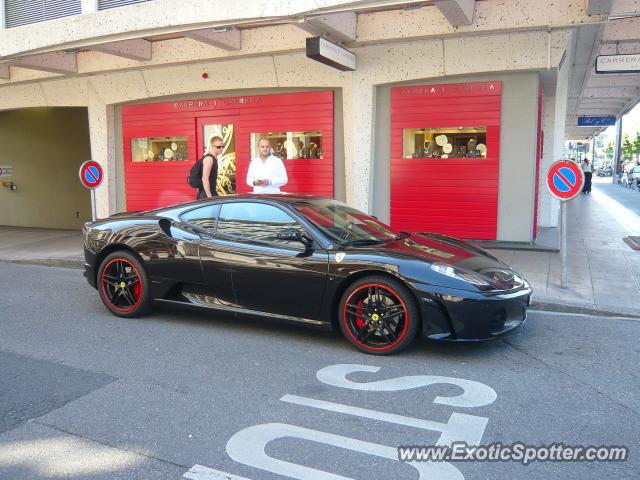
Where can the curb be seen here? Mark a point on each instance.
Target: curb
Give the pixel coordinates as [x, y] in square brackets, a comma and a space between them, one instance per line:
[49, 262]
[551, 306]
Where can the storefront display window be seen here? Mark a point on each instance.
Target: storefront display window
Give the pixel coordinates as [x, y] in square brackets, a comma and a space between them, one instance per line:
[290, 145]
[159, 149]
[453, 142]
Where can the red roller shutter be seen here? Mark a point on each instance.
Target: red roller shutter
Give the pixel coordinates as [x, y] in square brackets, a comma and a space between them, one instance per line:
[452, 196]
[156, 184]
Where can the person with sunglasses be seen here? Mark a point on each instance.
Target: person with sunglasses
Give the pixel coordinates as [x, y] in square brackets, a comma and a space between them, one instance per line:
[210, 168]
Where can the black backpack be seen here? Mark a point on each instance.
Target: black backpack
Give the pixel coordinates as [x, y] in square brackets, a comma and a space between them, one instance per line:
[195, 174]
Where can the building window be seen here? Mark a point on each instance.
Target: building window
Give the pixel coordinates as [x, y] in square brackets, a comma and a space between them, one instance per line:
[159, 149]
[453, 142]
[290, 145]
[23, 12]
[106, 4]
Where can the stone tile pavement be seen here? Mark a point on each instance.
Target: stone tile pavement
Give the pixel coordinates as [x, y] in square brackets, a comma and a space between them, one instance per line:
[603, 271]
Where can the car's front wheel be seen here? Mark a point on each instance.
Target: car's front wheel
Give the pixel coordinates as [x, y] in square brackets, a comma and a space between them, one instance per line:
[123, 285]
[378, 315]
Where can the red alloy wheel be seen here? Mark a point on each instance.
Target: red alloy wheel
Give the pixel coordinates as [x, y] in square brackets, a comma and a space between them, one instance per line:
[121, 285]
[375, 317]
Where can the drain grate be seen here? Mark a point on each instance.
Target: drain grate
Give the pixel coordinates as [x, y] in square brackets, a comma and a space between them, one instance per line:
[633, 242]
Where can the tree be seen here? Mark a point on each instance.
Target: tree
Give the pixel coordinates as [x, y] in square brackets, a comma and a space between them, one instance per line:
[636, 146]
[627, 148]
[608, 150]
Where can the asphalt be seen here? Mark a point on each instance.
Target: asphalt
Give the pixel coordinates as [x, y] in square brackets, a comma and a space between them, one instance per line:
[603, 271]
[103, 398]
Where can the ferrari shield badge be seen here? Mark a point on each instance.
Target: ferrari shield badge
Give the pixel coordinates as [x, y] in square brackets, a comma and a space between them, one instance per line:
[340, 256]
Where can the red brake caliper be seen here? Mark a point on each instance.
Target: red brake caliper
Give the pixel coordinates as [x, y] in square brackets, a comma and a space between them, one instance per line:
[360, 312]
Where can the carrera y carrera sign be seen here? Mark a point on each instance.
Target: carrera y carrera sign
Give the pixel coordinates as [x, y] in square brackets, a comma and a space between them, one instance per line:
[618, 63]
[329, 53]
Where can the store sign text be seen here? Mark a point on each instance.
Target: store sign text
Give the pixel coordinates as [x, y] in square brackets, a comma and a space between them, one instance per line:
[447, 89]
[618, 63]
[216, 102]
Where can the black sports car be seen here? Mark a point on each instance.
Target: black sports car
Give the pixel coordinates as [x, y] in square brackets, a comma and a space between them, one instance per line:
[304, 259]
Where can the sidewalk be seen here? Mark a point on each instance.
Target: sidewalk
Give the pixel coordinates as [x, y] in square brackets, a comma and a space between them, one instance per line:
[603, 273]
[43, 246]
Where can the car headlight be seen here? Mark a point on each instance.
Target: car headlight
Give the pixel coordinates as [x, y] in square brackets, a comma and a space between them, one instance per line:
[460, 274]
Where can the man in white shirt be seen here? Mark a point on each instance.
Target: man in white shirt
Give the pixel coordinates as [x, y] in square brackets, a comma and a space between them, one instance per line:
[266, 172]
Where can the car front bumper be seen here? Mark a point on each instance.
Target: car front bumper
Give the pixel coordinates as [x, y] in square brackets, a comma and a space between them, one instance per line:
[470, 316]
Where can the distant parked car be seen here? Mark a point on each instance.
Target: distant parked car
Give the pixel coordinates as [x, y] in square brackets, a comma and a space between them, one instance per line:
[604, 172]
[634, 176]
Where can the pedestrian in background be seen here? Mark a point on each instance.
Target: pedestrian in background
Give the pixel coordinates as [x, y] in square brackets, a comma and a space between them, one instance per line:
[266, 172]
[210, 168]
[588, 173]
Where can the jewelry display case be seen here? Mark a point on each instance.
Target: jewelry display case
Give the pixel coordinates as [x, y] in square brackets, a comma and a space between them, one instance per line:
[159, 149]
[290, 145]
[450, 142]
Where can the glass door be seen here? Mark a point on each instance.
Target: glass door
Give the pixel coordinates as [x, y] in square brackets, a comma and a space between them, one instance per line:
[223, 127]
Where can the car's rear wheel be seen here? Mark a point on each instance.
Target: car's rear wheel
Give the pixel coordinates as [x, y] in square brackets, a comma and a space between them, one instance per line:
[378, 315]
[123, 285]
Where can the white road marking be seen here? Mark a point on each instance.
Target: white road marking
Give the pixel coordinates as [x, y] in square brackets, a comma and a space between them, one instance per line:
[248, 447]
[199, 472]
[475, 394]
[460, 427]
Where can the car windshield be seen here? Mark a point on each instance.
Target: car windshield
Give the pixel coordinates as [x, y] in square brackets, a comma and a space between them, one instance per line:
[343, 224]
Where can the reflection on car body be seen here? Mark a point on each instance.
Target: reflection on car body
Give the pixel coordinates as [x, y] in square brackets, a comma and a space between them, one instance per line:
[304, 259]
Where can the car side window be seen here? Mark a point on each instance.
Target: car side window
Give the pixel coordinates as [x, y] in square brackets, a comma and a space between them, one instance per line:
[203, 217]
[259, 222]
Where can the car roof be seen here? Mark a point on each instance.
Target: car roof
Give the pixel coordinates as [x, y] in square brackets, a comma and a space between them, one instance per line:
[289, 198]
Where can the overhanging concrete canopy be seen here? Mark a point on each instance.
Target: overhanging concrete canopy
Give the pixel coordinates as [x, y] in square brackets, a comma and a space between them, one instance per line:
[457, 12]
[338, 27]
[54, 62]
[595, 7]
[134, 49]
[227, 39]
[592, 94]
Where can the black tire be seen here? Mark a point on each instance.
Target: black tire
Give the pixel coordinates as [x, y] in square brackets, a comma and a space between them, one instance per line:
[123, 285]
[378, 315]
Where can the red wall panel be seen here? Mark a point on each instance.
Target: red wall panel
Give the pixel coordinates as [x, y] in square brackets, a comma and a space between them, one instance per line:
[155, 184]
[452, 196]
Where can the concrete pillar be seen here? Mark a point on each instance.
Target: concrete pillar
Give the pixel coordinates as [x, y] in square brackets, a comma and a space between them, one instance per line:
[546, 213]
[359, 112]
[617, 148]
[101, 134]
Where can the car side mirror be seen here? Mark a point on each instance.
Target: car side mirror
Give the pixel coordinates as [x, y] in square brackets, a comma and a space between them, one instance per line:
[291, 235]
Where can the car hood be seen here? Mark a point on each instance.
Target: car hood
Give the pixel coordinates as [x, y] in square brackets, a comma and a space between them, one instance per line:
[434, 248]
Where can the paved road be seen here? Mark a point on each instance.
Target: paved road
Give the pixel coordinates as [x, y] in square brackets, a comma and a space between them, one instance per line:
[627, 198]
[85, 395]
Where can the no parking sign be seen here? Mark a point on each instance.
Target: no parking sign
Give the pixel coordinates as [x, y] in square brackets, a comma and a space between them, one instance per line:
[565, 179]
[91, 174]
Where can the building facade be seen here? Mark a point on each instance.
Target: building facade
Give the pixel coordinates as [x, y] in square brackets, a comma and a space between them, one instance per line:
[448, 122]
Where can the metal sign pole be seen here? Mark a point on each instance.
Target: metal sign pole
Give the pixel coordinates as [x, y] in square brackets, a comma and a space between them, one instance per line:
[563, 242]
[93, 204]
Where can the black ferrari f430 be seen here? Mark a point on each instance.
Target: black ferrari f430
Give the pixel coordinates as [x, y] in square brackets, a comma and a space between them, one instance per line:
[304, 259]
